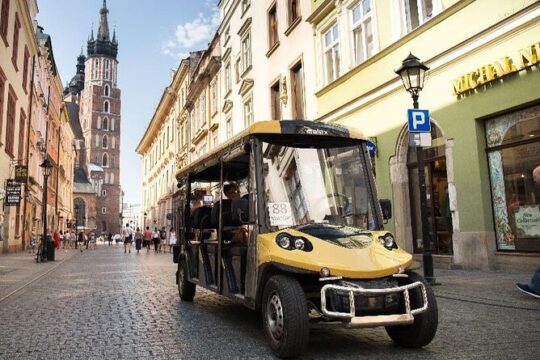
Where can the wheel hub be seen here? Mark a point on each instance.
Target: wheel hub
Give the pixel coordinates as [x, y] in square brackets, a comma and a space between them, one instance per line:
[274, 316]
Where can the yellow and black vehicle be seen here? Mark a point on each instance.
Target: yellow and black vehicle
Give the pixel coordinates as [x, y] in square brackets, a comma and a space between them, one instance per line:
[285, 219]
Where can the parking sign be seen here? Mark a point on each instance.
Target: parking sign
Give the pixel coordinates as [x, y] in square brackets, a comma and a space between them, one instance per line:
[418, 120]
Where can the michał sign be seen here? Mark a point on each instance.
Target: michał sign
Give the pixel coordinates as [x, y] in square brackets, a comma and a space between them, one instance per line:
[13, 193]
[526, 57]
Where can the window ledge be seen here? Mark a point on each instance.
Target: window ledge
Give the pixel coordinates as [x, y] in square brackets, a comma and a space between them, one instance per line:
[293, 25]
[246, 72]
[272, 49]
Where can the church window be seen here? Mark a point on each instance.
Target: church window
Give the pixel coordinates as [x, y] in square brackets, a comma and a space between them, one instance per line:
[105, 124]
[105, 142]
[103, 192]
[112, 124]
[107, 90]
[105, 160]
[107, 69]
[106, 106]
[99, 122]
[96, 68]
[103, 210]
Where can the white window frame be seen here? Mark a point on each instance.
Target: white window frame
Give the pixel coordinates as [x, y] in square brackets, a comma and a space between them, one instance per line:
[228, 76]
[107, 90]
[229, 132]
[248, 111]
[404, 15]
[103, 210]
[331, 47]
[107, 69]
[246, 51]
[103, 122]
[105, 139]
[214, 95]
[106, 107]
[361, 23]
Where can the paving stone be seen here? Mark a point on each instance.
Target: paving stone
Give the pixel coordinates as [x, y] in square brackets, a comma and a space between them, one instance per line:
[105, 304]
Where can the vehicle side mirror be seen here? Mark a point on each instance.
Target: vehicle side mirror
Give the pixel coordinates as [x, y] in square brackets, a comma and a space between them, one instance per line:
[240, 210]
[386, 207]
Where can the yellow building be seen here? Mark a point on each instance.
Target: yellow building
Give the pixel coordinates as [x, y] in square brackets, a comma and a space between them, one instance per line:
[483, 93]
[18, 45]
[64, 199]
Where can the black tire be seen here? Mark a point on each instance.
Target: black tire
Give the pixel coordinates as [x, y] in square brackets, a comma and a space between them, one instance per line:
[186, 289]
[285, 316]
[424, 328]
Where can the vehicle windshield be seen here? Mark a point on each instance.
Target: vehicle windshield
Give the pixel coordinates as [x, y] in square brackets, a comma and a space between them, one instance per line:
[327, 187]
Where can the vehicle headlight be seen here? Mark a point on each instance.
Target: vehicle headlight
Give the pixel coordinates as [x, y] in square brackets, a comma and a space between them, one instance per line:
[388, 241]
[284, 241]
[299, 244]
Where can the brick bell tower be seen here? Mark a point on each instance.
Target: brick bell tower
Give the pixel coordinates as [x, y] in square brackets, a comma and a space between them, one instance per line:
[100, 121]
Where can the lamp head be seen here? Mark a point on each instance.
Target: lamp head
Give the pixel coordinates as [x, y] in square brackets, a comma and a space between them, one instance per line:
[412, 72]
[47, 166]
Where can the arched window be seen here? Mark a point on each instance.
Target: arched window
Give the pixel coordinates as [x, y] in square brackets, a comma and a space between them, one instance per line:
[105, 124]
[105, 142]
[107, 90]
[105, 160]
[80, 212]
[106, 106]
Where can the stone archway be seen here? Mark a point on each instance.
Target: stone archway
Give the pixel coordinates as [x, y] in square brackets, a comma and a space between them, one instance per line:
[399, 178]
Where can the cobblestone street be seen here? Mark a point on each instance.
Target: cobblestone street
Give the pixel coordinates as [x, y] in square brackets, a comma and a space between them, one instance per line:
[105, 304]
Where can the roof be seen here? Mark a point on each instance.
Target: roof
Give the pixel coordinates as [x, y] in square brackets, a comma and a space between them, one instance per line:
[94, 167]
[73, 112]
[81, 183]
[283, 127]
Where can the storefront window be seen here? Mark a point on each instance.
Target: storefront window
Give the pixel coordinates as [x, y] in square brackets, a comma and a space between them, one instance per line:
[513, 153]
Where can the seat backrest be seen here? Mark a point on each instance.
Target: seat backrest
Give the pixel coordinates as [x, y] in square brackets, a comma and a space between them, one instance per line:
[200, 218]
[239, 212]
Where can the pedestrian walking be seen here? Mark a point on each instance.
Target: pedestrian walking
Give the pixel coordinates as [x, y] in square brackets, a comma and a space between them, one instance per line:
[162, 239]
[155, 239]
[138, 240]
[127, 236]
[81, 240]
[56, 238]
[172, 239]
[63, 239]
[147, 238]
[109, 238]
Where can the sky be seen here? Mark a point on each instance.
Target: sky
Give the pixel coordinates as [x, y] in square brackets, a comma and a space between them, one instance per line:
[153, 36]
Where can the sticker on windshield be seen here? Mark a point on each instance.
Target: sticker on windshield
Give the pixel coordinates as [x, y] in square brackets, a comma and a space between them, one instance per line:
[280, 214]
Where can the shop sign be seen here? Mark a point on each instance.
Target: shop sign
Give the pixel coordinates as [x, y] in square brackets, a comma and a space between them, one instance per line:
[528, 221]
[13, 193]
[21, 173]
[526, 57]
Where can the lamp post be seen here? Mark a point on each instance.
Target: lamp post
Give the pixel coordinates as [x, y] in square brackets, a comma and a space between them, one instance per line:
[76, 227]
[47, 168]
[412, 73]
[145, 215]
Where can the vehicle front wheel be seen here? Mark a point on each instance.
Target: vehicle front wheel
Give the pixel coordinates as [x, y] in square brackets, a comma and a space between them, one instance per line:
[285, 316]
[423, 330]
[186, 289]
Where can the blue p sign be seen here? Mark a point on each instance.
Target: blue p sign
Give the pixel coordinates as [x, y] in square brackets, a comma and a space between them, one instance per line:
[418, 120]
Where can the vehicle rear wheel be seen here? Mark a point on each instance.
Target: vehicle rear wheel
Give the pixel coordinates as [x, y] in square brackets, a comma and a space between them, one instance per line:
[285, 316]
[423, 330]
[186, 289]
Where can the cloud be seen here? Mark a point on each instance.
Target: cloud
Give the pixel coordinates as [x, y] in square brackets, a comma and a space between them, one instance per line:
[192, 35]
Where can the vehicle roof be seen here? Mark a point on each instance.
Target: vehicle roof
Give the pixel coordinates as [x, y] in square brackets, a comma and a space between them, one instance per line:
[275, 127]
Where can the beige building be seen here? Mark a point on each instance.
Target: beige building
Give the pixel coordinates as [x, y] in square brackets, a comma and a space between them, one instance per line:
[483, 93]
[18, 46]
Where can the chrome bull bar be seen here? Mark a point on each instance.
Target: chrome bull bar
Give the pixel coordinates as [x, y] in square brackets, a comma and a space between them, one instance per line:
[376, 320]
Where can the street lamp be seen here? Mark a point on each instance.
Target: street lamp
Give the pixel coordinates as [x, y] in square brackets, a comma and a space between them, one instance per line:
[145, 215]
[47, 169]
[76, 225]
[412, 73]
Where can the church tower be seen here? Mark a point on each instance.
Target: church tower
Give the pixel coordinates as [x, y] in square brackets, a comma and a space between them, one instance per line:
[100, 122]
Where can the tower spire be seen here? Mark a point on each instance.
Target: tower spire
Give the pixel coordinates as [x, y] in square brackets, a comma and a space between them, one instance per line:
[103, 31]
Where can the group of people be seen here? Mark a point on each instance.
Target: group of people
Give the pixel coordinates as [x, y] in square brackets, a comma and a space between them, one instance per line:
[66, 240]
[160, 238]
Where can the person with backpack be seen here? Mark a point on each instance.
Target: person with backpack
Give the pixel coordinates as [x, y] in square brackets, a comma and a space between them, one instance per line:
[127, 236]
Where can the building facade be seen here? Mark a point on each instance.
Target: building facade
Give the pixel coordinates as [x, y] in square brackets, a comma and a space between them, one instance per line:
[18, 46]
[100, 117]
[482, 91]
